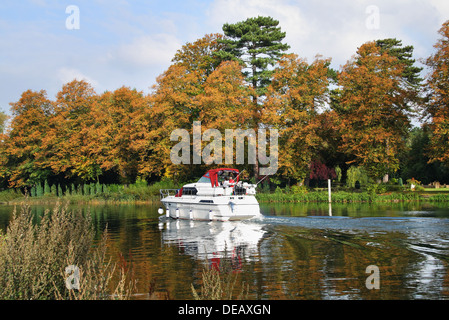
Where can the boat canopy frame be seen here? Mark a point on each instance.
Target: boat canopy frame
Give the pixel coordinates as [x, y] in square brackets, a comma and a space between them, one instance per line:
[213, 175]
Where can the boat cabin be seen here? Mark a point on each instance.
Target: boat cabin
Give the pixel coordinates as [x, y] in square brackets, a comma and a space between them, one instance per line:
[218, 182]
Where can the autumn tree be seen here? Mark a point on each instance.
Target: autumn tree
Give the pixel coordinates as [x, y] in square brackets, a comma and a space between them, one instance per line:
[121, 133]
[66, 146]
[200, 55]
[293, 99]
[372, 107]
[3, 154]
[226, 103]
[172, 107]
[23, 145]
[194, 88]
[319, 171]
[438, 106]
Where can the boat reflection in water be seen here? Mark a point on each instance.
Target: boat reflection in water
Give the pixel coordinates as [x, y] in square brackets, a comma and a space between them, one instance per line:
[214, 240]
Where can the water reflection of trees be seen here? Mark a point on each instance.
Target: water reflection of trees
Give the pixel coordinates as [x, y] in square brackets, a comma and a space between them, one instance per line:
[279, 262]
[357, 209]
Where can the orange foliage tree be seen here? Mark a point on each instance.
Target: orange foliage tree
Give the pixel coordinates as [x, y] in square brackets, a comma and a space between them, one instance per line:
[66, 146]
[438, 105]
[83, 136]
[23, 161]
[372, 109]
[195, 88]
[297, 91]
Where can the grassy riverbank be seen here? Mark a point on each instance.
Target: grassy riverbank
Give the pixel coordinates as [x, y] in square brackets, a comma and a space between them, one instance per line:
[353, 196]
[141, 192]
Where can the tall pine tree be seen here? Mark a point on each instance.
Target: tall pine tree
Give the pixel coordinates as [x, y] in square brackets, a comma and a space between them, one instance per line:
[257, 44]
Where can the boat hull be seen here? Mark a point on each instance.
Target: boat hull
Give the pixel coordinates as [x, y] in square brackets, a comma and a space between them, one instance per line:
[223, 208]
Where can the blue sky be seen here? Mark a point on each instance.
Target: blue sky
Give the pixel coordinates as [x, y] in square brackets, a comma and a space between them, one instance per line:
[130, 43]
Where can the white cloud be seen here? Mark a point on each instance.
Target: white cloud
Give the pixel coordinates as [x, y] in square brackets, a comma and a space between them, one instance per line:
[131, 43]
[335, 29]
[148, 50]
[67, 74]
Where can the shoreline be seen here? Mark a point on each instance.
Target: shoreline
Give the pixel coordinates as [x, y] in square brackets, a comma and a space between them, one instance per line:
[354, 197]
[84, 200]
[276, 197]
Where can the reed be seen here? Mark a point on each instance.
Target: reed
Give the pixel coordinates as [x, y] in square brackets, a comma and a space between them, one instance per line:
[35, 251]
[221, 282]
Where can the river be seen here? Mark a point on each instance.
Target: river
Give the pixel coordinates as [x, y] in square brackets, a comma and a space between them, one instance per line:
[296, 251]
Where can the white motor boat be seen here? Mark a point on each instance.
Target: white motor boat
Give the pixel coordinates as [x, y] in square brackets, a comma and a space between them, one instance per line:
[217, 195]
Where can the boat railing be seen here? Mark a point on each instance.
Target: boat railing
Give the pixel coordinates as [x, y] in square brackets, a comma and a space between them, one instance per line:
[167, 192]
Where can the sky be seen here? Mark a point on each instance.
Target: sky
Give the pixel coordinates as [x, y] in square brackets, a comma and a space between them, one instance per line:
[47, 43]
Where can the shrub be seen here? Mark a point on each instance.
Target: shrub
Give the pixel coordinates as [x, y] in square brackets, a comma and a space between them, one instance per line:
[299, 189]
[10, 194]
[86, 190]
[355, 174]
[376, 188]
[39, 190]
[46, 188]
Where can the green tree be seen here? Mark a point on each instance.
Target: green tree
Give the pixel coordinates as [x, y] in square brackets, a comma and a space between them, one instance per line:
[256, 43]
[86, 190]
[415, 161]
[393, 47]
[355, 174]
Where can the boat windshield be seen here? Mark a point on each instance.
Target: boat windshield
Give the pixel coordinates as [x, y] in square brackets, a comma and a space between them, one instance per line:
[204, 179]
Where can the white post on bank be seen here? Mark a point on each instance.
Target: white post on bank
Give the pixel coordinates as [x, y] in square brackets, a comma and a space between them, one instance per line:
[330, 198]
